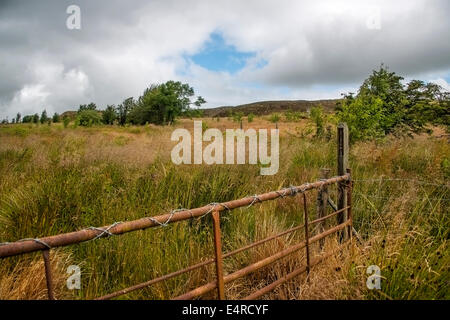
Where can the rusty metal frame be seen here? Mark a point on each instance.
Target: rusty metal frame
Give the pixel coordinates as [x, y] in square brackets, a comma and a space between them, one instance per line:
[47, 243]
[218, 253]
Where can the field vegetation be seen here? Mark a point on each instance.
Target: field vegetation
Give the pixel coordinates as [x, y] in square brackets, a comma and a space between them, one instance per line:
[93, 168]
[56, 179]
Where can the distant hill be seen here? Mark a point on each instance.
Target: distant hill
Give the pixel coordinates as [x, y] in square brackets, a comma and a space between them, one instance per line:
[258, 108]
[268, 107]
[71, 114]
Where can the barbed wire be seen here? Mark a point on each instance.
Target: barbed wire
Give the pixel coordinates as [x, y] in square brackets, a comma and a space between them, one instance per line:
[390, 198]
[37, 240]
[105, 232]
[400, 179]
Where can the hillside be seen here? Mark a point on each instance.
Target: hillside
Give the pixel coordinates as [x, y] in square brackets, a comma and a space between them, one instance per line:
[267, 107]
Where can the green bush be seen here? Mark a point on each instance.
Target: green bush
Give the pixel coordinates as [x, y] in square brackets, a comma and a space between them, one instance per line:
[88, 118]
[66, 121]
[318, 117]
[385, 105]
[274, 118]
[364, 118]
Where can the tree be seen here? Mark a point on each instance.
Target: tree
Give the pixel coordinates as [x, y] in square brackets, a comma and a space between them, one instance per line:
[27, 119]
[163, 103]
[109, 115]
[250, 117]
[88, 118]
[44, 117]
[124, 109]
[90, 106]
[35, 118]
[56, 118]
[384, 105]
[18, 116]
[426, 103]
[386, 86]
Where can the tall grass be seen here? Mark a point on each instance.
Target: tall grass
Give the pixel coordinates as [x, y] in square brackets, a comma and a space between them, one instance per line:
[54, 181]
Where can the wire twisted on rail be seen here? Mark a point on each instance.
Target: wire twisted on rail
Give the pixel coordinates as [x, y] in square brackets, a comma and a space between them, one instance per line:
[288, 191]
[29, 239]
[104, 231]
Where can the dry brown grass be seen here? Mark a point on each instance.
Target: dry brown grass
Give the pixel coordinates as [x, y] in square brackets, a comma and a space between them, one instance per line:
[27, 279]
[383, 211]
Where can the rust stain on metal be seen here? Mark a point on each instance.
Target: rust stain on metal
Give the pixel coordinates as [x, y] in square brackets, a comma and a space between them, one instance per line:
[349, 204]
[20, 247]
[257, 265]
[44, 244]
[48, 273]
[196, 266]
[218, 253]
[290, 275]
[305, 210]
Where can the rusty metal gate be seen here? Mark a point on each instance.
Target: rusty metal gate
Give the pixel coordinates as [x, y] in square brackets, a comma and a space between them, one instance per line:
[344, 230]
[342, 210]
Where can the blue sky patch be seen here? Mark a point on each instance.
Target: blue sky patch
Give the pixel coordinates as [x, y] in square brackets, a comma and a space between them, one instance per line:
[216, 55]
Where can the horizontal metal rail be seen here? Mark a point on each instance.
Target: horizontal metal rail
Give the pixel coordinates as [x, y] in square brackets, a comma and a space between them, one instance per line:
[258, 265]
[209, 261]
[292, 274]
[195, 266]
[31, 245]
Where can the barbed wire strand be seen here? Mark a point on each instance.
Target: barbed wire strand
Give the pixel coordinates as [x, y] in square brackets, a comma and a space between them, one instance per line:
[390, 198]
[106, 231]
[399, 179]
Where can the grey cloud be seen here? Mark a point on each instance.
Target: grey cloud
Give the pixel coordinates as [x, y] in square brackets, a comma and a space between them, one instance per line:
[125, 45]
[342, 51]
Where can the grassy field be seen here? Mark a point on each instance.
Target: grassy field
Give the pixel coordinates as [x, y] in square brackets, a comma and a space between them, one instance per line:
[55, 179]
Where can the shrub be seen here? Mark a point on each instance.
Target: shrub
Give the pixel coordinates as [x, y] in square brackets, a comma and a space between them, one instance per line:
[88, 118]
[274, 118]
[364, 118]
[66, 121]
[318, 117]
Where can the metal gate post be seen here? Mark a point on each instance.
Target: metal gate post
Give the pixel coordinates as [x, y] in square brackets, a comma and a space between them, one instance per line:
[218, 252]
[48, 273]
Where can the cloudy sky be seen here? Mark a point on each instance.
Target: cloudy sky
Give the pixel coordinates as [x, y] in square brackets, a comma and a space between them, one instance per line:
[231, 52]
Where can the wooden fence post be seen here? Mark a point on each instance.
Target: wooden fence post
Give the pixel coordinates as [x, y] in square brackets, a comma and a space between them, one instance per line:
[218, 252]
[322, 199]
[342, 165]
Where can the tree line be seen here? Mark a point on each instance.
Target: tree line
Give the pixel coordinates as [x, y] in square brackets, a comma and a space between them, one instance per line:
[384, 104]
[159, 104]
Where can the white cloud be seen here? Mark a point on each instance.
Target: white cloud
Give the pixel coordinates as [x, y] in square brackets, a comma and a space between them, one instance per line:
[313, 49]
[51, 88]
[444, 84]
